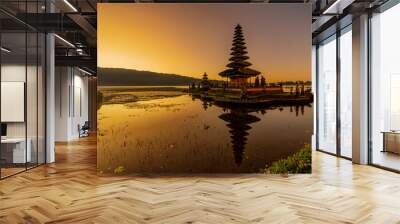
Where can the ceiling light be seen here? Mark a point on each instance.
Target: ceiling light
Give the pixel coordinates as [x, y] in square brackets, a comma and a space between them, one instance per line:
[338, 6]
[5, 50]
[64, 40]
[84, 71]
[70, 5]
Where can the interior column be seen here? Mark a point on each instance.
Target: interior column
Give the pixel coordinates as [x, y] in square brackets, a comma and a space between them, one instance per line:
[360, 90]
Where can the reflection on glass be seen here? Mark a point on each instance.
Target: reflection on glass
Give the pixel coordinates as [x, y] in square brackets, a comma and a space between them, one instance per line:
[346, 94]
[385, 89]
[327, 95]
[15, 151]
[23, 93]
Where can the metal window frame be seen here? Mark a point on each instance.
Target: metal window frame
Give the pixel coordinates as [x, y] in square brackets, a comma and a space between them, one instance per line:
[387, 5]
[339, 32]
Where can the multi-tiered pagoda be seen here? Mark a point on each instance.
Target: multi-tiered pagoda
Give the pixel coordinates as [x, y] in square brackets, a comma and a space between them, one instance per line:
[238, 71]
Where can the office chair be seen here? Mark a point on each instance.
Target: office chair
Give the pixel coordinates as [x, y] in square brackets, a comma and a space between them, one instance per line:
[84, 130]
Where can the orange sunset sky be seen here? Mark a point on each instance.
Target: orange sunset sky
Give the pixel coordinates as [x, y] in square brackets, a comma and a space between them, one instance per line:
[190, 39]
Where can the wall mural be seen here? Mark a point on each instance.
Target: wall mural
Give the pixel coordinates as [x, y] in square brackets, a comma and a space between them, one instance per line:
[204, 88]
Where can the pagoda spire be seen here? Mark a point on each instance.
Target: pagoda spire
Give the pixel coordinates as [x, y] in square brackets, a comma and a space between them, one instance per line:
[205, 84]
[238, 67]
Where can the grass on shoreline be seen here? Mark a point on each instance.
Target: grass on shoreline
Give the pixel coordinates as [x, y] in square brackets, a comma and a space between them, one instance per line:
[300, 162]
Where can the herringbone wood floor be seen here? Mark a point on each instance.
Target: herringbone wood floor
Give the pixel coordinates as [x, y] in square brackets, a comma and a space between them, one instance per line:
[70, 191]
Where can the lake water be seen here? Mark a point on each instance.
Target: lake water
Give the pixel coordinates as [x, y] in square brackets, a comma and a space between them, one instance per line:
[172, 132]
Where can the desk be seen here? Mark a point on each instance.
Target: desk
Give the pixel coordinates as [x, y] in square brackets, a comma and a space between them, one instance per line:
[391, 141]
[15, 148]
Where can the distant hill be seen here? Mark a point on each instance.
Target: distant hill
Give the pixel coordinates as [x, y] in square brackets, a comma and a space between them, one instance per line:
[127, 77]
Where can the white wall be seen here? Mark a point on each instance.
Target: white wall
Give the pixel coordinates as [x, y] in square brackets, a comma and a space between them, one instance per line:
[16, 73]
[71, 102]
[33, 126]
[62, 82]
[13, 72]
[80, 112]
[13, 101]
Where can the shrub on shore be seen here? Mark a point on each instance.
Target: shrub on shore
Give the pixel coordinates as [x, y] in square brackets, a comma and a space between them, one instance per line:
[300, 162]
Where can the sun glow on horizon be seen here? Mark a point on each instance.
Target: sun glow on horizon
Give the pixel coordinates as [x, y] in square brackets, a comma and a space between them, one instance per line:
[190, 39]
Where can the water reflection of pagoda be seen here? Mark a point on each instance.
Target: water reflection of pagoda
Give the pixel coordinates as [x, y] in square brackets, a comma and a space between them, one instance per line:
[238, 120]
[239, 124]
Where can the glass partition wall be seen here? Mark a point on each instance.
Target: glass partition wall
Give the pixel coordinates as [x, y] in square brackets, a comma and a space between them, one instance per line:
[334, 86]
[385, 89]
[22, 95]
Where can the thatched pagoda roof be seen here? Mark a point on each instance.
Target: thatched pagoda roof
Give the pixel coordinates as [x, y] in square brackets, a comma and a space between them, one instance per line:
[239, 73]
